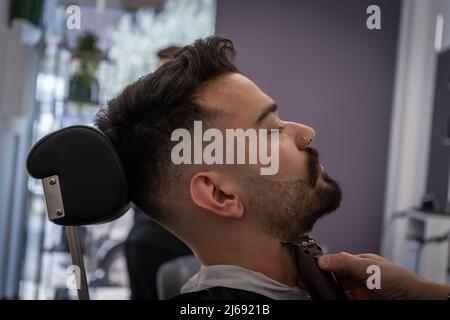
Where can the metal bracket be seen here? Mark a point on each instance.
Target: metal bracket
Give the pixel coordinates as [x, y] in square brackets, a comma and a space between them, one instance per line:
[53, 197]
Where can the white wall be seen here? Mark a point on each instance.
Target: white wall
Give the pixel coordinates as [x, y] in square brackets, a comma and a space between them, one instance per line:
[412, 112]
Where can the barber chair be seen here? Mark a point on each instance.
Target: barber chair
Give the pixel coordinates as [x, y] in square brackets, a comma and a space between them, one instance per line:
[84, 183]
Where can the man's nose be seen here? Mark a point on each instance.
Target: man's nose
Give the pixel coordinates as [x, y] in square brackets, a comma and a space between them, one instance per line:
[304, 135]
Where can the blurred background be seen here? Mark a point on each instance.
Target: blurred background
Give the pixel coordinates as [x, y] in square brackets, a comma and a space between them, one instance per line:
[379, 100]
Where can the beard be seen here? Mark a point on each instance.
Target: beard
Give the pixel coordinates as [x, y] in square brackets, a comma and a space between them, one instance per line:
[287, 209]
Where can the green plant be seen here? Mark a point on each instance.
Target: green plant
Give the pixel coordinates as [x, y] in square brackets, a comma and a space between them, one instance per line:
[89, 56]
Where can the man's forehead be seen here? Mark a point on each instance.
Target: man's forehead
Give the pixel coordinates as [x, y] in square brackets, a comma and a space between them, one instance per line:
[235, 94]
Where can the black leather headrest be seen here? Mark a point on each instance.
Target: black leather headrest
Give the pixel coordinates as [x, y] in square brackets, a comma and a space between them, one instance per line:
[92, 181]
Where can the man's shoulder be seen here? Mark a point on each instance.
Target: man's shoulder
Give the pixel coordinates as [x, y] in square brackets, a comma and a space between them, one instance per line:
[221, 293]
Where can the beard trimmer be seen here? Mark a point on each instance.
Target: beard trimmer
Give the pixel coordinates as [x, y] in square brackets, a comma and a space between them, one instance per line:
[321, 285]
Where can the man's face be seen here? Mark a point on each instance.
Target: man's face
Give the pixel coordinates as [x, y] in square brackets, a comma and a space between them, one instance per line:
[288, 203]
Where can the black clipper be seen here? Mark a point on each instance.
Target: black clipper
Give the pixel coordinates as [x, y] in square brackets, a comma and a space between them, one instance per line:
[321, 285]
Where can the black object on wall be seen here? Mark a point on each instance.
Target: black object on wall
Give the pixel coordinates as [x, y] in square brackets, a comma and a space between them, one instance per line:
[438, 167]
[30, 10]
[324, 68]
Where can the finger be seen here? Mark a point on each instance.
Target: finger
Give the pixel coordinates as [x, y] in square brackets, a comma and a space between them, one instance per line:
[345, 264]
[371, 256]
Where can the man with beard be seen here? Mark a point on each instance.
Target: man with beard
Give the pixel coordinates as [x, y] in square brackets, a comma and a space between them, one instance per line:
[231, 216]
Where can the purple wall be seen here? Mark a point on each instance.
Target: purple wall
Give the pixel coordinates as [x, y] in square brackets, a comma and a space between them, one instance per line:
[323, 66]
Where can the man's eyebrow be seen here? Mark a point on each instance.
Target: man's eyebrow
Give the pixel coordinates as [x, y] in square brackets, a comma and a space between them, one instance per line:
[268, 110]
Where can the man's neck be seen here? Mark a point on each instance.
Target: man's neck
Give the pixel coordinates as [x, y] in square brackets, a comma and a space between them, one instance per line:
[260, 254]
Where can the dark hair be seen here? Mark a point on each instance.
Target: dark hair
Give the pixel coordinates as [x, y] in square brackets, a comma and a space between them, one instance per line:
[168, 53]
[140, 120]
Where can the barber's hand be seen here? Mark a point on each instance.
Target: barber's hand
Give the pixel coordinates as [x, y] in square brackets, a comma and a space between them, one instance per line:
[396, 282]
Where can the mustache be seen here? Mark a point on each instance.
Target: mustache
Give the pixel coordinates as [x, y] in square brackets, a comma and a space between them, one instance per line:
[313, 165]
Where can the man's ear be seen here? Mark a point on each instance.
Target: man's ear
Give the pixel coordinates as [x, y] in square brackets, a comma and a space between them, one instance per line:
[209, 192]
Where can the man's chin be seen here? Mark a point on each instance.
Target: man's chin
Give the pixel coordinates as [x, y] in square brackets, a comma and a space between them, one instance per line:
[329, 195]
